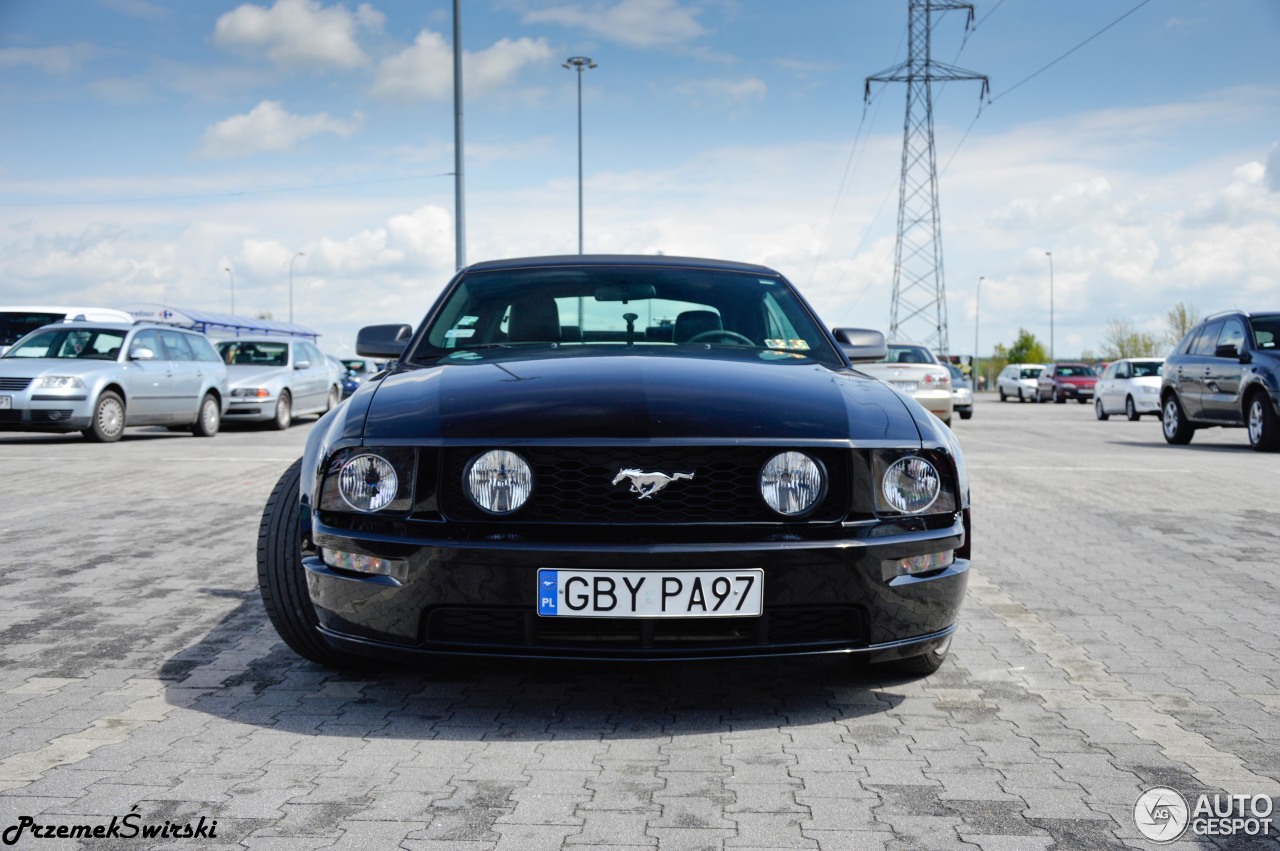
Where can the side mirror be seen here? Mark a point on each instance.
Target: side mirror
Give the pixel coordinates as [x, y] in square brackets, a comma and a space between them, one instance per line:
[302, 364]
[141, 353]
[861, 345]
[1227, 351]
[383, 341]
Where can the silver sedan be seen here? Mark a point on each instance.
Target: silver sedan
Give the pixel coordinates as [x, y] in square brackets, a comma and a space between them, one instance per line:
[274, 379]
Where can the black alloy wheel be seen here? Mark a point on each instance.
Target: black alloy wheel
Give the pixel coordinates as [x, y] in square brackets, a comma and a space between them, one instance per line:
[282, 580]
[1264, 429]
[1177, 430]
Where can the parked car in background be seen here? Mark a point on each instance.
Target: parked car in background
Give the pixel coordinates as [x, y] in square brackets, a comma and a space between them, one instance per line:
[274, 379]
[99, 378]
[961, 392]
[18, 321]
[1018, 381]
[1225, 372]
[1131, 385]
[1063, 381]
[537, 481]
[358, 370]
[913, 369]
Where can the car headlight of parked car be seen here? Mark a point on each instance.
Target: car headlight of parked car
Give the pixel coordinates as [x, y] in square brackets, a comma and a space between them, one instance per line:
[257, 392]
[911, 484]
[58, 382]
[792, 483]
[368, 480]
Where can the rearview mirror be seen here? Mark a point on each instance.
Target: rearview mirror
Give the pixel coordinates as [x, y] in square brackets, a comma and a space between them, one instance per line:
[625, 292]
[383, 341]
[861, 345]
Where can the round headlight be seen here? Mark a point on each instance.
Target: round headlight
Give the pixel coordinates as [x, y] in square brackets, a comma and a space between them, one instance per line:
[368, 482]
[911, 484]
[498, 481]
[792, 483]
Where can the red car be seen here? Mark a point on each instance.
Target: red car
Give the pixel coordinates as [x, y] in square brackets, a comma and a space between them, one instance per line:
[1063, 381]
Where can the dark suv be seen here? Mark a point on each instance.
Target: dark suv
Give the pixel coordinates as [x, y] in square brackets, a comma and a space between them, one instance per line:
[1225, 372]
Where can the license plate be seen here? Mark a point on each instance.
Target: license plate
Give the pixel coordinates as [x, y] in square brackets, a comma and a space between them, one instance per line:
[650, 594]
[6, 402]
[905, 386]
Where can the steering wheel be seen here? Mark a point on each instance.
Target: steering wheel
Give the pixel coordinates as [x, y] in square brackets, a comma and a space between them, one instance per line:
[721, 334]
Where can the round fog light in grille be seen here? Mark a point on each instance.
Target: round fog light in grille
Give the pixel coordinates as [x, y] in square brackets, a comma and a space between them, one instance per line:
[368, 482]
[791, 483]
[911, 484]
[498, 481]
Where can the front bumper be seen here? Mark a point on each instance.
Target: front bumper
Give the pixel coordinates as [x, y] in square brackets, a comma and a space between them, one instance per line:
[480, 597]
[252, 408]
[46, 411]
[1072, 391]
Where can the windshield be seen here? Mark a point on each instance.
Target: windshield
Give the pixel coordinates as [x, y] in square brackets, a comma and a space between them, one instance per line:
[1032, 372]
[643, 309]
[1147, 368]
[1266, 331]
[1075, 371]
[248, 353]
[74, 342]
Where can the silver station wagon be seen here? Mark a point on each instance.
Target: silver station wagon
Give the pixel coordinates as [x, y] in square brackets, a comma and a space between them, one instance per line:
[98, 378]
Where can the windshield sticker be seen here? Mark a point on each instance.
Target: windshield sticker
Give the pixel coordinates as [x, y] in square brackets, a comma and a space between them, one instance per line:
[778, 343]
[468, 320]
[765, 282]
[468, 355]
[460, 333]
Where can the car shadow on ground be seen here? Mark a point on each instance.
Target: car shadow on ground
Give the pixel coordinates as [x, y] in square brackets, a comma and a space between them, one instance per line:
[1190, 447]
[242, 672]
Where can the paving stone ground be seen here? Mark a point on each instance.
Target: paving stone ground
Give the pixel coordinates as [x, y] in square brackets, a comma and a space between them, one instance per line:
[1122, 632]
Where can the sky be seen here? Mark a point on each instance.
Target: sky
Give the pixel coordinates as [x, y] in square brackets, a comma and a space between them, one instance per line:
[151, 146]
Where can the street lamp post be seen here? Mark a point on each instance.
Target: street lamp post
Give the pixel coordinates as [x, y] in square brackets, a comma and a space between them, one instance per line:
[232, 276]
[1049, 254]
[977, 305]
[291, 261]
[580, 63]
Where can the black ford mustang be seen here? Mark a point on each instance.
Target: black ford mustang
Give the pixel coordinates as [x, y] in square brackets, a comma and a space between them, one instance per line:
[617, 457]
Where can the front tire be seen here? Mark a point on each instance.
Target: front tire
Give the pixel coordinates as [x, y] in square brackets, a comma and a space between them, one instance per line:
[1263, 427]
[210, 417]
[284, 412]
[964, 415]
[335, 396]
[1177, 430]
[1131, 410]
[1099, 411]
[1004, 397]
[108, 419]
[282, 580]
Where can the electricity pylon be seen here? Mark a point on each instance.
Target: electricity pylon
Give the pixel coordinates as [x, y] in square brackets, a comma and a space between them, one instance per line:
[919, 307]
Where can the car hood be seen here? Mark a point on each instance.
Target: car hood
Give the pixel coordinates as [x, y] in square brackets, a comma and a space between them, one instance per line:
[631, 397]
[35, 367]
[253, 376]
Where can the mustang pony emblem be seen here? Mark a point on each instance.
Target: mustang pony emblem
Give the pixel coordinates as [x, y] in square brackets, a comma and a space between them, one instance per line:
[647, 484]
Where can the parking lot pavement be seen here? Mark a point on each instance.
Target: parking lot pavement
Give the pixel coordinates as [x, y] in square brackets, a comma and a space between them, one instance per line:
[1122, 632]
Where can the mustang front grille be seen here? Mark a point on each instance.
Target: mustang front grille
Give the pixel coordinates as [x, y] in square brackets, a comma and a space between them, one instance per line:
[574, 485]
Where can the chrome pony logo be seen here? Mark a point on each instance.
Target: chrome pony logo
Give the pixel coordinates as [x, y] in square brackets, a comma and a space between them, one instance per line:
[647, 484]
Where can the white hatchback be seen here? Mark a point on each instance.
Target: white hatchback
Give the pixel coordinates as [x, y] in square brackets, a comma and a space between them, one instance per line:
[1018, 381]
[1131, 386]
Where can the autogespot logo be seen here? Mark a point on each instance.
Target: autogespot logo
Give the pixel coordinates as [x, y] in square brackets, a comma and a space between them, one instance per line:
[1161, 814]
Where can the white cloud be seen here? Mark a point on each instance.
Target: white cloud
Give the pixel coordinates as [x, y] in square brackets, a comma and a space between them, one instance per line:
[425, 69]
[59, 59]
[299, 33]
[267, 127]
[639, 23]
[1273, 169]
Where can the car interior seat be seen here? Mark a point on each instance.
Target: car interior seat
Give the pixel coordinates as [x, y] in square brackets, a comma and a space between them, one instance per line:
[691, 323]
[534, 320]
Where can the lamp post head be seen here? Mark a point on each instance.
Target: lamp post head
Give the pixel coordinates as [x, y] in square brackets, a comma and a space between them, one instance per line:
[581, 63]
